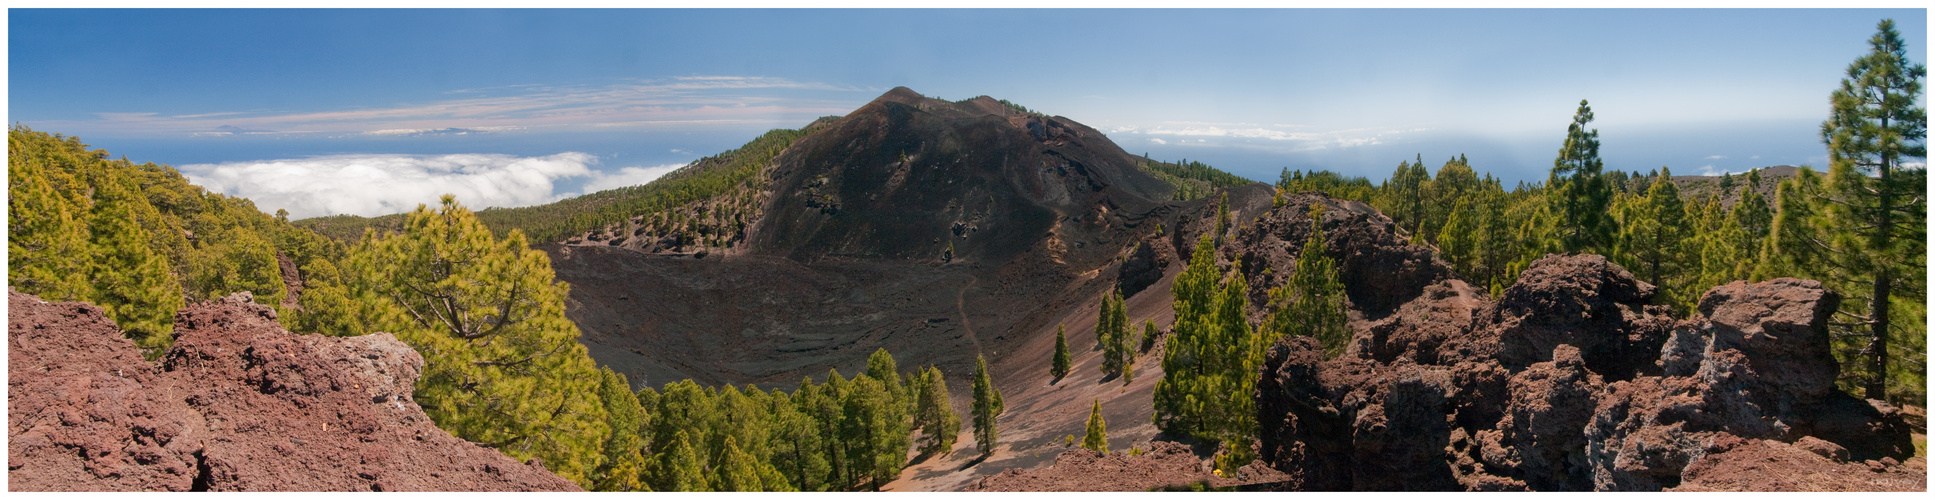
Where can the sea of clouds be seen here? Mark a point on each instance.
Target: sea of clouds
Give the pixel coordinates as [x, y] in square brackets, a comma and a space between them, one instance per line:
[378, 184]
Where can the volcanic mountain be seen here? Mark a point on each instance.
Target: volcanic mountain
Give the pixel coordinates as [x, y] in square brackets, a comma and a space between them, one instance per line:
[936, 230]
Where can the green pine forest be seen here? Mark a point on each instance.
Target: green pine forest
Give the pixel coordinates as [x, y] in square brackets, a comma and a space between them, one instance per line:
[504, 369]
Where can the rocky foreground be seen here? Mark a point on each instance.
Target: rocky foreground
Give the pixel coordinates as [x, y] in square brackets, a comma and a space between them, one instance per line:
[1571, 382]
[238, 404]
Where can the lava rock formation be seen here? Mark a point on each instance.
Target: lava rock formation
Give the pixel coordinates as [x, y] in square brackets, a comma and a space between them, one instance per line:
[237, 404]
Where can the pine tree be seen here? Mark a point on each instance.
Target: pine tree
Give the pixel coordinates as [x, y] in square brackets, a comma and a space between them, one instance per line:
[503, 366]
[1112, 335]
[679, 467]
[1454, 184]
[936, 415]
[1653, 239]
[876, 439]
[1179, 397]
[1458, 242]
[987, 408]
[1579, 194]
[1060, 367]
[1312, 303]
[624, 462]
[1098, 430]
[1222, 217]
[1149, 334]
[798, 452]
[738, 470]
[1876, 210]
[1204, 389]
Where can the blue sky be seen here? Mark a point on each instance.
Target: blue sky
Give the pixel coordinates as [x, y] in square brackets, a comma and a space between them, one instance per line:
[361, 111]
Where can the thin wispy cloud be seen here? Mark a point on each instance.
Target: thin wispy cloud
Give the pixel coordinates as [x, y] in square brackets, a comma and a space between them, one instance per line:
[1717, 157]
[1297, 140]
[687, 100]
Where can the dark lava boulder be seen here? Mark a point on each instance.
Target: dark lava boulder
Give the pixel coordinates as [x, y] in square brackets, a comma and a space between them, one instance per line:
[238, 404]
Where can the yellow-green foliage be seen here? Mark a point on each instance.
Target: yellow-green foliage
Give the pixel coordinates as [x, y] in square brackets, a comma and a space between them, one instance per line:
[503, 366]
[844, 434]
[1097, 437]
[137, 239]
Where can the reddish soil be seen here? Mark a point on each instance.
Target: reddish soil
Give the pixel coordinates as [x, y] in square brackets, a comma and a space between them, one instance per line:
[1769, 465]
[238, 404]
[1166, 465]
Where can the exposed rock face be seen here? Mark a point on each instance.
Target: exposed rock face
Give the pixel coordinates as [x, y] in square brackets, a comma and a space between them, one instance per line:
[238, 404]
[1145, 266]
[1571, 382]
[1379, 269]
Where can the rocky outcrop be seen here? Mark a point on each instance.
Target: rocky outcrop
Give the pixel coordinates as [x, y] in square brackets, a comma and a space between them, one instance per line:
[237, 404]
[1379, 268]
[1570, 381]
[1144, 266]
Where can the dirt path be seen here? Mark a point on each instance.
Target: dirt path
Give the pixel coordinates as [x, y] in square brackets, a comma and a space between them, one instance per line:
[960, 305]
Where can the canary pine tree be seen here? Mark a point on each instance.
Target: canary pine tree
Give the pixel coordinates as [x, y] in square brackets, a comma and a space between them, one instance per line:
[1865, 229]
[1579, 194]
[1112, 333]
[1653, 239]
[1312, 303]
[935, 414]
[987, 409]
[1059, 368]
[503, 367]
[1097, 437]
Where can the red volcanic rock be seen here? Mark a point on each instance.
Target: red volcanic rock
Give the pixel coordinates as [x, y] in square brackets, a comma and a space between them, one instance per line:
[238, 404]
[1570, 381]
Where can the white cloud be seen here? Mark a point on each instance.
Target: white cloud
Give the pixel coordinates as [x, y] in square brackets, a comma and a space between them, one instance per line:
[1158, 140]
[371, 185]
[1717, 157]
[1754, 157]
[628, 176]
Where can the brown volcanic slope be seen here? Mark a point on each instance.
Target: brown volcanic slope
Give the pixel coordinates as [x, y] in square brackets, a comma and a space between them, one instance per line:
[851, 254]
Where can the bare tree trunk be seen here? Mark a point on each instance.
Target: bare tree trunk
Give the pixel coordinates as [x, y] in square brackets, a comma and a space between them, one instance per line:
[1877, 350]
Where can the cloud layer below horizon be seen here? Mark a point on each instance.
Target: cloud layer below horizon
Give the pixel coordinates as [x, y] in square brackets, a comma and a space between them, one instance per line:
[377, 184]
